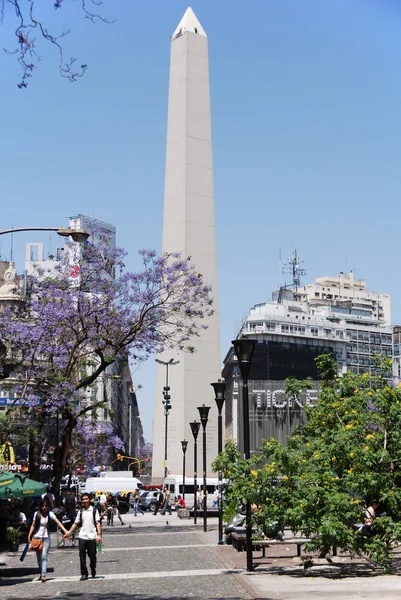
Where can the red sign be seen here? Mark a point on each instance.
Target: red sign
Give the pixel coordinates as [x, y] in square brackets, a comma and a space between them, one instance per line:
[75, 271]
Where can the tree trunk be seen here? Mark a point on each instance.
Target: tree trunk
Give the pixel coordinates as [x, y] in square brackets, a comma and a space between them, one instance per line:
[62, 455]
[34, 459]
[35, 438]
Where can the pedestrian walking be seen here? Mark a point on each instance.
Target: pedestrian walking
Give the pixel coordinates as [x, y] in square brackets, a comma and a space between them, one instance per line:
[114, 503]
[39, 535]
[136, 507]
[90, 533]
[159, 501]
[166, 503]
[103, 503]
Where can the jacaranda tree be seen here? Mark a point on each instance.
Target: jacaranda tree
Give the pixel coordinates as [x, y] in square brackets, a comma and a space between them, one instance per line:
[74, 328]
[29, 19]
[344, 458]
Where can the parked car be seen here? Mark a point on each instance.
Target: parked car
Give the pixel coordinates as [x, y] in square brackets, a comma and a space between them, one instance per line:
[148, 500]
[123, 502]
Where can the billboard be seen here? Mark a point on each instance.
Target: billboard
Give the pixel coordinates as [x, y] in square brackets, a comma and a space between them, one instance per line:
[99, 230]
[271, 412]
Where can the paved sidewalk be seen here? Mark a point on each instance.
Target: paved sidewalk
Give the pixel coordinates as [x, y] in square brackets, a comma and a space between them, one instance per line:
[280, 575]
[158, 557]
[150, 557]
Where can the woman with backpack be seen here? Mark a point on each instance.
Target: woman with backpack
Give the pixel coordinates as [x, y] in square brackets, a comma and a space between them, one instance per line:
[39, 535]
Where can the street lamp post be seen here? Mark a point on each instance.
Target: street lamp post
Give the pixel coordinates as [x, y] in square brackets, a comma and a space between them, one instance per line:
[78, 235]
[195, 430]
[219, 391]
[184, 445]
[203, 413]
[244, 348]
[167, 406]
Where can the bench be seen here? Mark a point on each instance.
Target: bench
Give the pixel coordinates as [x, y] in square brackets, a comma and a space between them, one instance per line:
[239, 543]
[211, 512]
[263, 544]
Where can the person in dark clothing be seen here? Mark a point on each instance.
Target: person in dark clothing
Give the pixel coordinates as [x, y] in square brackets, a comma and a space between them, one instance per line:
[166, 503]
[70, 505]
[114, 503]
[160, 501]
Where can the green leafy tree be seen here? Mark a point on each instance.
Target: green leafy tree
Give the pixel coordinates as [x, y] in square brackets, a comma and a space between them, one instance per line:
[345, 457]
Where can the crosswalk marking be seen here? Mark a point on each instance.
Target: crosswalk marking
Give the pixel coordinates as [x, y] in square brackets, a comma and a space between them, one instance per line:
[148, 575]
[131, 548]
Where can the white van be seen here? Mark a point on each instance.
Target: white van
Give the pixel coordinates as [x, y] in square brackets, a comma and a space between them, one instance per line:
[175, 485]
[111, 484]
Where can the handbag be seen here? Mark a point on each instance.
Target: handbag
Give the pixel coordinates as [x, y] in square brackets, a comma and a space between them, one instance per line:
[37, 544]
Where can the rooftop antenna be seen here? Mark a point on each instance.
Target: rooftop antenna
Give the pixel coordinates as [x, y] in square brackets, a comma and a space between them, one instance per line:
[12, 241]
[292, 265]
[280, 266]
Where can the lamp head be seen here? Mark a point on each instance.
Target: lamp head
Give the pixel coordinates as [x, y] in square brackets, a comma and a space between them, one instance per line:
[184, 444]
[219, 391]
[204, 413]
[195, 425]
[244, 348]
[78, 235]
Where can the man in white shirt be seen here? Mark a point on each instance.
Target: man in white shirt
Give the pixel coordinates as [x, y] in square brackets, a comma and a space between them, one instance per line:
[90, 533]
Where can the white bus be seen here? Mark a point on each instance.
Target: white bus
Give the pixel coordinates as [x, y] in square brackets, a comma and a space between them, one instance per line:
[176, 486]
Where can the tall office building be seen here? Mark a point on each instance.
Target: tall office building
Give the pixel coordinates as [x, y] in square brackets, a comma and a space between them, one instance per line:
[188, 227]
[332, 315]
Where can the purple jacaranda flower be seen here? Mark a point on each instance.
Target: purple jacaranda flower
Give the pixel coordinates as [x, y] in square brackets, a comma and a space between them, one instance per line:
[90, 313]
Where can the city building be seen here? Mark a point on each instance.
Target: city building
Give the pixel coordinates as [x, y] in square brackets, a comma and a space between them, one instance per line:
[336, 315]
[189, 227]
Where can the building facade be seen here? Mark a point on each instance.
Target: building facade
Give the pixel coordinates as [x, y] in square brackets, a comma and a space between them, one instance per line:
[337, 316]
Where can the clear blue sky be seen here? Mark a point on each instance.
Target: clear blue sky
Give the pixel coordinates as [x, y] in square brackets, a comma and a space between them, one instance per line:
[306, 101]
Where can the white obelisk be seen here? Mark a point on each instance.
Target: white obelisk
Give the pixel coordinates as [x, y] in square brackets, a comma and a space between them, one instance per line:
[189, 227]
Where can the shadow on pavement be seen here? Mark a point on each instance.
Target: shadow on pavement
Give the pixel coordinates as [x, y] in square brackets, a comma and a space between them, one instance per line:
[327, 571]
[21, 572]
[111, 596]
[144, 530]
